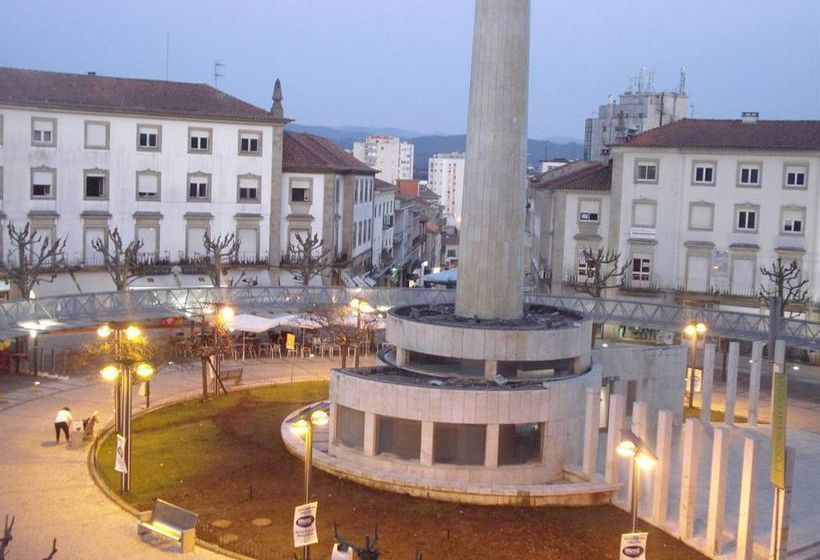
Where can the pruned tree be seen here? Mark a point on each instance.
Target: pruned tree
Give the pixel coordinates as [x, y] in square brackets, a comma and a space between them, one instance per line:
[32, 258]
[782, 289]
[370, 550]
[603, 272]
[339, 323]
[218, 253]
[6, 539]
[309, 257]
[120, 260]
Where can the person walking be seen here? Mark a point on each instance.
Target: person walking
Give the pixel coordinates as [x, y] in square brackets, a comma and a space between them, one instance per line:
[61, 422]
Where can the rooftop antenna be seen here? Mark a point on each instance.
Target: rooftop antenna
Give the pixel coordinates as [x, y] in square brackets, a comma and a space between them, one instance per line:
[682, 86]
[167, 53]
[217, 74]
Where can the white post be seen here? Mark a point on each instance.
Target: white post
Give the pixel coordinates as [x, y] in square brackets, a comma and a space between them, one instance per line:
[706, 383]
[717, 492]
[491, 446]
[745, 520]
[781, 512]
[689, 478]
[731, 382]
[617, 408]
[592, 421]
[663, 449]
[754, 380]
[426, 443]
[639, 428]
[370, 434]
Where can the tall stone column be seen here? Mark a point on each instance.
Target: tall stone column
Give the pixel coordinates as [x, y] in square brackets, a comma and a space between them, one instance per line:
[491, 255]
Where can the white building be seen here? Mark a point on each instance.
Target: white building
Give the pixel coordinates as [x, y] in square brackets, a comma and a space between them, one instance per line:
[390, 156]
[445, 177]
[384, 222]
[638, 109]
[161, 161]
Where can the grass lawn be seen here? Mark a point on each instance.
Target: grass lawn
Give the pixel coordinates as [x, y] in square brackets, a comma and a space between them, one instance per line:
[718, 416]
[225, 460]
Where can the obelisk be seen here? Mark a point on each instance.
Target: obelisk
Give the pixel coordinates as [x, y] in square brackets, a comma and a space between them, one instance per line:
[491, 259]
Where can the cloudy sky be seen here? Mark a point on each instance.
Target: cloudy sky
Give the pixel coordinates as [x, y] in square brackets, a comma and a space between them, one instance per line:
[405, 63]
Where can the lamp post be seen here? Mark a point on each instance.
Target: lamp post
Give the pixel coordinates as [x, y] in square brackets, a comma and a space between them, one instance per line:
[360, 306]
[121, 373]
[693, 330]
[641, 458]
[302, 425]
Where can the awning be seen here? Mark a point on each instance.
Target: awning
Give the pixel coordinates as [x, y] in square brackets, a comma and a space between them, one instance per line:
[447, 277]
[94, 282]
[247, 322]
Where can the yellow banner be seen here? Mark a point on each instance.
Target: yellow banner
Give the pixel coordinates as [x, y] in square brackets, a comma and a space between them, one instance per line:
[290, 341]
[779, 429]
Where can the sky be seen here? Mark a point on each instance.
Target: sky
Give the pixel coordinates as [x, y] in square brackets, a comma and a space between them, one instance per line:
[406, 63]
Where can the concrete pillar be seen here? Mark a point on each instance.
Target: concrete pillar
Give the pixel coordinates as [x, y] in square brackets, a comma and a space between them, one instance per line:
[331, 426]
[617, 410]
[491, 446]
[663, 449]
[781, 512]
[401, 356]
[717, 492]
[640, 427]
[591, 422]
[490, 369]
[731, 382]
[689, 478]
[426, 443]
[754, 380]
[707, 383]
[370, 434]
[491, 255]
[745, 521]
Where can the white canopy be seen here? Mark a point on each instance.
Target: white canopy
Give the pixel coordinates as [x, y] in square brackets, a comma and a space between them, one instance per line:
[253, 323]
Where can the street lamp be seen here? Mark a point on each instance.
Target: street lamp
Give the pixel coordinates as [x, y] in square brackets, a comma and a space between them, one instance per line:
[642, 458]
[360, 306]
[302, 425]
[693, 330]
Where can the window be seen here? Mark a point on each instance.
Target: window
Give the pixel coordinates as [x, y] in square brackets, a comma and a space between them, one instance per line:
[199, 187]
[248, 188]
[519, 444]
[795, 176]
[300, 190]
[644, 213]
[199, 140]
[641, 269]
[148, 232]
[248, 236]
[398, 437]
[746, 219]
[43, 132]
[646, 172]
[350, 427]
[43, 182]
[589, 210]
[586, 268]
[149, 137]
[793, 226]
[96, 135]
[793, 219]
[148, 185]
[749, 175]
[701, 216]
[95, 185]
[459, 444]
[703, 174]
[250, 142]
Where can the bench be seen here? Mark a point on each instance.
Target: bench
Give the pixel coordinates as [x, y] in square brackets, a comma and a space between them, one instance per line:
[170, 522]
[231, 374]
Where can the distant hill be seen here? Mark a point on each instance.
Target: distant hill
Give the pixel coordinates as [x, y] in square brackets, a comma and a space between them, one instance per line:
[428, 145]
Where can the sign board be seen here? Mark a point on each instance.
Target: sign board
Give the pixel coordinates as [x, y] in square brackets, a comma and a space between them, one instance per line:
[643, 233]
[119, 456]
[290, 341]
[304, 525]
[633, 546]
[779, 387]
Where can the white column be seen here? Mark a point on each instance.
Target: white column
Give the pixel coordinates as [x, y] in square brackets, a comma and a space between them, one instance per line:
[426, 443]
[663, 449]
[592, 421]
[490, 369]
[706, 384]
[331, 426]
[639, 428]
[401, 356]
[745, 522]
[617, 408]
[689, 478]
[369, 434]
[781, 512]
[754, 380]
[731, 382]
[491, 446]
[717, 492]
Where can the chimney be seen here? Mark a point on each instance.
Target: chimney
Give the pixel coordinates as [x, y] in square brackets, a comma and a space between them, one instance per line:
[749, 117]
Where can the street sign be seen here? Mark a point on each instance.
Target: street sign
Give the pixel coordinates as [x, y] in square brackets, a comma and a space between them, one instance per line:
[779, 389]
[290, 341]
[119, 456]
[633, 546]
[304, 525]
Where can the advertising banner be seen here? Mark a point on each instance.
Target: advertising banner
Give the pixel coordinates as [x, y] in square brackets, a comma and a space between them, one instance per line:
[304, 525]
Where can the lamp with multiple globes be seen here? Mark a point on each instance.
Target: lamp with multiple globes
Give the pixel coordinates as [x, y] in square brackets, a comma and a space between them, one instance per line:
[693, 331]
[642, 458]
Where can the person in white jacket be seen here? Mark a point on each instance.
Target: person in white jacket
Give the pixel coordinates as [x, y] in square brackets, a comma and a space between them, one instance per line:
[61, 422]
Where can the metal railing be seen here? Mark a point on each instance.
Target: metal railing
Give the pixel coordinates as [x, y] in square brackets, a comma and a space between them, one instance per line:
[55, 313]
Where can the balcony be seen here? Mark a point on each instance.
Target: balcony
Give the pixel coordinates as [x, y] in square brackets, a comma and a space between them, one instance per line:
[387, 222]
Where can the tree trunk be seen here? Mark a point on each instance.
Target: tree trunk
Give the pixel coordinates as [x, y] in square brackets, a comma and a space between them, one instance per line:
[344, 348]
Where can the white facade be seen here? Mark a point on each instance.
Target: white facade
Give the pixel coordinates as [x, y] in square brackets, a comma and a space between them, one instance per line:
[363, 217]
[445, 177]
[74, 174]
[393, 158]
[383, 227]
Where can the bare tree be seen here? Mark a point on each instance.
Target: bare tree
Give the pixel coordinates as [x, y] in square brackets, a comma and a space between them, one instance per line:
[6, 539]
[309, 256]
[338, 323]
[219, 252]
[784, 289]
[603, 272]
[120, 260]
[32, 258]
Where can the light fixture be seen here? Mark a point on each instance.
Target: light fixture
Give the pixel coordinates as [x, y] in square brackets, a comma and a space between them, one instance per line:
[646, 461]
[104, 331]
[144, 371]
[626, 448]
[132, 332]
[796, 368]
[110, 373]
[227, 314]
[300, 427]
[32, 333]
[319, 418]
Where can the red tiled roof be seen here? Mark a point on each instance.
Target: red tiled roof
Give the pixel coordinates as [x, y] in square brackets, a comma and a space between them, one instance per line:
[83, 92]
[589, 176]
[306, 152]
[732, 134]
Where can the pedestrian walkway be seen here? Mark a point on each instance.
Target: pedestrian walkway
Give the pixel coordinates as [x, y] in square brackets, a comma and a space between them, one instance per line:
[47, 487]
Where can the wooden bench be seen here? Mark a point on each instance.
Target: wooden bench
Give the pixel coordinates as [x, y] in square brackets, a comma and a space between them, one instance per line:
[170, 522]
